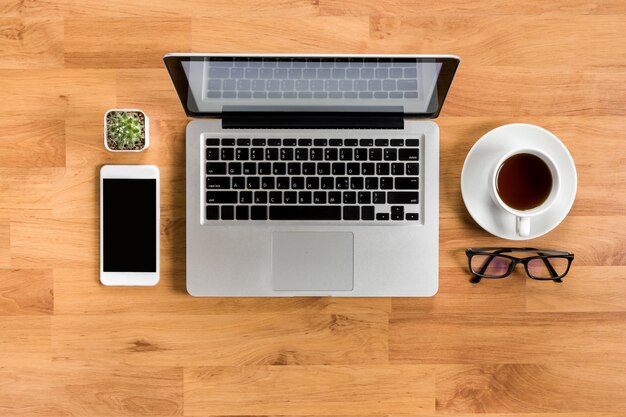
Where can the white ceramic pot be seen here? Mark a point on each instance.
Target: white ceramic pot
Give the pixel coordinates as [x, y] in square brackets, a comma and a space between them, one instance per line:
[146, 130]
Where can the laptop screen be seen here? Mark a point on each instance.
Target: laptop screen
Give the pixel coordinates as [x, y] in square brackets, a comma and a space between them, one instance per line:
[209, 85]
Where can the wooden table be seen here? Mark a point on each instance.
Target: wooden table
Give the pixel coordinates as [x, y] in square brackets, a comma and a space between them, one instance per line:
[69, 346]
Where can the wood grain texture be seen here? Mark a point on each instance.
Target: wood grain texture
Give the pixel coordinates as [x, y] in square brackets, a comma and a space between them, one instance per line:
[509, 348]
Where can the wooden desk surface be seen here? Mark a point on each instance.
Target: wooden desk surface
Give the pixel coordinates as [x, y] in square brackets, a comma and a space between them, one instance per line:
[69, 346]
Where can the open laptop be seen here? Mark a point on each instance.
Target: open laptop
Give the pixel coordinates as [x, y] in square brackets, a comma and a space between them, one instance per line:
[312, 175]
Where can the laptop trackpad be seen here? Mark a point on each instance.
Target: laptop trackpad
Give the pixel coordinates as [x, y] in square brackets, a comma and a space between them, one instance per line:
[312, 261]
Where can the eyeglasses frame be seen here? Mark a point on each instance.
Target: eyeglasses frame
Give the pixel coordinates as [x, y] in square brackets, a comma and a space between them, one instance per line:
[543, 254]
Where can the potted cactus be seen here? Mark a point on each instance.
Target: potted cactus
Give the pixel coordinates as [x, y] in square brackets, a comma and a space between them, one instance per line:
[126, 130]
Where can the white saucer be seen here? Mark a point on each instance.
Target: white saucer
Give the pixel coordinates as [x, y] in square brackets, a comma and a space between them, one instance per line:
[480, 160]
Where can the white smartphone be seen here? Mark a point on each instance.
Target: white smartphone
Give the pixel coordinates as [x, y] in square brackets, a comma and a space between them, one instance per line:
[129, 225]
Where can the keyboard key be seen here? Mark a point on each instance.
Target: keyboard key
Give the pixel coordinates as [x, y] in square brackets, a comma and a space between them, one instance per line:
[283, 183]
[407, 85]
[328, 183]
[379, 197]
[356, 183]
[293, 168]
[412, 169]
[371, 183]
[256, 154]
[334, 197]
[289, 142]
[212, 154]
[258, 213]
[252, 183]
[245, 197]
[318, 142]
[276, 197]
[368, 168]
[234, 168]
[341, 183]
[330, 154]
[212, 142]
[212, 212]
[218, 183]
[239, 183]
[353, 168]
[409, 154]
[397, 142]
[243, 142]
[273, 142]
[397, 213]
[349, 197]
[304, 197]
[412, 216]
[339, 168]
[381, 142]
[267, 183]
[351, 212]
[367, 213]
[345, 154]
[317, 154]
[271, 154]
[382, 168]
[258, 142]
[228, 142]
[312, 183]
[216, 168]
[227, 154]
[386, 183]
[265, 168]
[390, 154]
[407, 183]
[279, 168]
[302, 154]
[228, 213]
[286, 154]
[221, 197]
[382, 216]
[335, 142]
[306, 142]
[351, 142]
[376, 154]
[397, 168]
[364, 197]
[297, 183]
[308, 168]
[241, 212]
[305, 212]
[249, 168]
[319, 197]
[366, 142]
[399, 197]
[412, 142]
[290, 197]
[323, 168]
[260, 197]
[360, 154]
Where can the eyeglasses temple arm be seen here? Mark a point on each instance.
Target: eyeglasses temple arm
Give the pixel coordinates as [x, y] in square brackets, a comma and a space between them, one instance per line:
[555, 276]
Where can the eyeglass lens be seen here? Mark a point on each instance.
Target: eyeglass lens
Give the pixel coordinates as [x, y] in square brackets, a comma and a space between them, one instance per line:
[540, 268]
[490, 266]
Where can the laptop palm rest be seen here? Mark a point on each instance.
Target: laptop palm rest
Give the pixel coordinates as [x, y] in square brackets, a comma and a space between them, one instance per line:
[312, 261]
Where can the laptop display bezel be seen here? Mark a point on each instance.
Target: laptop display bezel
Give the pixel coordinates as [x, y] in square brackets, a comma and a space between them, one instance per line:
[449, 64]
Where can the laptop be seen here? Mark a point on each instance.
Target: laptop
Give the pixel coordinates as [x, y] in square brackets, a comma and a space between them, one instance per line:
[312, 175]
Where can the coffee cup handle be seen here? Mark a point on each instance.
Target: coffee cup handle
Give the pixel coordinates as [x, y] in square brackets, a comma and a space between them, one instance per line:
[522, 225]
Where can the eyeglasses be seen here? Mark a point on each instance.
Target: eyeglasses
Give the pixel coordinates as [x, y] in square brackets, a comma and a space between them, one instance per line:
[545, 265]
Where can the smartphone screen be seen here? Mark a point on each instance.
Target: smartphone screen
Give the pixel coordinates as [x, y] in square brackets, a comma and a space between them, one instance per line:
[129, 225]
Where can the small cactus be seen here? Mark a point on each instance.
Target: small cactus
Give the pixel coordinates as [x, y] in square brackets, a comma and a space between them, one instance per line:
[125, 129]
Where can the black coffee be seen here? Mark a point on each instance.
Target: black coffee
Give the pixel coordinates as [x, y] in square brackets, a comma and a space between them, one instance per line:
[524, 181]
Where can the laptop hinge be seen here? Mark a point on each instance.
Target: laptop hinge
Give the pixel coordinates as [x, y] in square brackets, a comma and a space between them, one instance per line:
[311, 120]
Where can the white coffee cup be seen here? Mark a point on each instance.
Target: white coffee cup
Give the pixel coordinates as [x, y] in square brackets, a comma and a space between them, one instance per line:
[522, 222]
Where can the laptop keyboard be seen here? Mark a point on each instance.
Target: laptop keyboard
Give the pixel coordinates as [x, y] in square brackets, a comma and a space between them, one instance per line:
[312, 179]
[291, 78]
